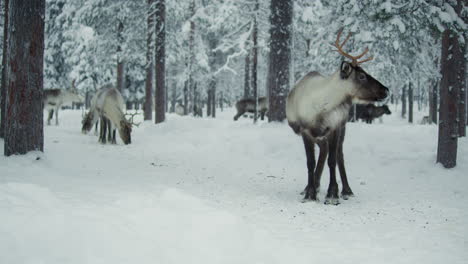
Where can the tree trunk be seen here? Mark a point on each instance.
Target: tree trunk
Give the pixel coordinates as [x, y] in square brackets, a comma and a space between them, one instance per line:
[403, 102]
[120, 63]
[191, 85]
[255, 60]
[3, 84]
[247, 76]
[186, 98]
[173, 97]
[213, 98]
[449, 100]
[160, 61]
[24, 78]
[410, 103]
[148, 108]
[462, 104]
[280, 58]
[208, 103]
[435, 99]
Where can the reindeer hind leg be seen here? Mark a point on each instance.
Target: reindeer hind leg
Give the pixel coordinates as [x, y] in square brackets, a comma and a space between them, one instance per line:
[310, 190]
[346, 191]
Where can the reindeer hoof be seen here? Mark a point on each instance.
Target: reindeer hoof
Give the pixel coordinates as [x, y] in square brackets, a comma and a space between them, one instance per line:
[346, 194]
[332, 200]
[309, 194]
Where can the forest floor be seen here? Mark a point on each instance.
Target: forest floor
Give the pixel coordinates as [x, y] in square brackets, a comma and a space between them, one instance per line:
[217, 191]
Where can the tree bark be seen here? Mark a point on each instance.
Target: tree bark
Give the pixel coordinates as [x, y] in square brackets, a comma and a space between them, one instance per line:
[449, 100]
[3, 84]
[462, 103]
[191, 85]
[247, 76]
[403, 102]
[280, 57]
[435, 99]
[148, 108]
[410, 103]
[255, 60]
[160, 61]
[208, 103]
[120, 63]
[24, 78]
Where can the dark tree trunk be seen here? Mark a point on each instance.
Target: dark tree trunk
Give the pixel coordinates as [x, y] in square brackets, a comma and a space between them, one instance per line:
[191, 85]
[410, 103]
[280, 56]
[433, 102]
[435, 99]
[213, 98]
[255, 60]
[160, 61]
[3, 85]
[403, 102]
[449, 100]
[148, 108]
[462, 79]
[247, 76]
[208, 103]
[120, 63]
[186, 98]
[173, 97]
[24, 78]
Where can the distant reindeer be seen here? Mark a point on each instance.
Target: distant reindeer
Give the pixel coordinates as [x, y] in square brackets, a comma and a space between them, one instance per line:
[55, 98]
[247, 105]
[108, 104]
[370, 112]
[317, 109]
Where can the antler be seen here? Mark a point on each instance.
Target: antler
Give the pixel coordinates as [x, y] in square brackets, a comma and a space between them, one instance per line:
[132, 116]
[354, 59]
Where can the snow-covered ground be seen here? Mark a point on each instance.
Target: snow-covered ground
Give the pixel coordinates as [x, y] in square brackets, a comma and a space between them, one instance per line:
[217, 191]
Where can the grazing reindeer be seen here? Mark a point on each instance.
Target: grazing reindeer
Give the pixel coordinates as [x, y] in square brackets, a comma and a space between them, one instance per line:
[317, 109]
[107, 105]
[55, 98]
[248, 106]
[369, 112]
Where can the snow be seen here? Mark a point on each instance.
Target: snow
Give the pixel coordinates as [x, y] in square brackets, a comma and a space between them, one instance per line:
[217, 191]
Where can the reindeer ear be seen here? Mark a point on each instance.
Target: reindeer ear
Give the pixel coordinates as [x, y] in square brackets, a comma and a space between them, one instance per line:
[345, 70]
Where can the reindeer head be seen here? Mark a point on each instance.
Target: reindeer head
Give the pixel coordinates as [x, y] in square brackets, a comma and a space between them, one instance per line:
[125, 131]
[386, 110]
[363, 86]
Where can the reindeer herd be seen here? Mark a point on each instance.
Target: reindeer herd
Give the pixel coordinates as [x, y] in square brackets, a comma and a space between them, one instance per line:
[317, 109]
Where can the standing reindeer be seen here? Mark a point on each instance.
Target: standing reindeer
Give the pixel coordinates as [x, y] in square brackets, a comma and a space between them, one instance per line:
[369, 112]
[317, 109]
[108, 104]
[55, 98]
[247, 105]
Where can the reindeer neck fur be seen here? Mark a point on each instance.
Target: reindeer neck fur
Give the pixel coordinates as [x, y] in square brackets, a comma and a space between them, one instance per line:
[318, 105]
[110, 104]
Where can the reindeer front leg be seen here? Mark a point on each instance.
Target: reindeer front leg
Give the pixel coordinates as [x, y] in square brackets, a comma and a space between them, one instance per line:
[332, 194]
[310, 192]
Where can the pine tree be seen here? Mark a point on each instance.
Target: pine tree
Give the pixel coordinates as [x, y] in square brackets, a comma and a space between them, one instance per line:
[3, 84]
[24, 77]
[160, 61]
[148, 107]
[280, 58]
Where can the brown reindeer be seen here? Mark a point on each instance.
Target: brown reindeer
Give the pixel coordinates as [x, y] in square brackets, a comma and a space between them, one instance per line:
[317, 109]
[247, 105]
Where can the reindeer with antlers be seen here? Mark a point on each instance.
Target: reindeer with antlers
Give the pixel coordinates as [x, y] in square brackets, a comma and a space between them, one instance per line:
[317, 109]
[108, 104]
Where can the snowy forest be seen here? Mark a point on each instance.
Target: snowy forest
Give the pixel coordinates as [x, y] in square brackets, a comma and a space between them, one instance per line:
[214, 131]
